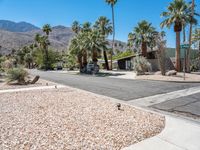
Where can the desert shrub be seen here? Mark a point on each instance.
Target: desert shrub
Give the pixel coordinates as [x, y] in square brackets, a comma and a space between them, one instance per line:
[17, 74]
[141, 65]
[195, 65]
[8, 64]
[2, 59]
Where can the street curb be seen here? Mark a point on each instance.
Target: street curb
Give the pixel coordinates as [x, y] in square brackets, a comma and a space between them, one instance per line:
[168, 81]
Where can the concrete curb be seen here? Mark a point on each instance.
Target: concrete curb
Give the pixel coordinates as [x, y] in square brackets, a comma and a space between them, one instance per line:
[168, 81]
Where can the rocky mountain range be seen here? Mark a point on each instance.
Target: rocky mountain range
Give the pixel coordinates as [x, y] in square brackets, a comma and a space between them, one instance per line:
[16, 35]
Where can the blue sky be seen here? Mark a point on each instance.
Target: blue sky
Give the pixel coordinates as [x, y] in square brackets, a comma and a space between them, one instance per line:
[64, 12]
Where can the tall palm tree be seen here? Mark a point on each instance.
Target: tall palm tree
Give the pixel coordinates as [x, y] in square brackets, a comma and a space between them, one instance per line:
[112, 4]
[46, 29]
[190, 36]
[96, 44]
[75, 49]
[176, 15]
[141, 36]
[76, 27]
[104, 26]
[42, 43]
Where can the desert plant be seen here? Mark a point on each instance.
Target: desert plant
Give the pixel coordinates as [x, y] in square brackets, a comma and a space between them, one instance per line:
[8, 64]
[141, 65]
[17, 74]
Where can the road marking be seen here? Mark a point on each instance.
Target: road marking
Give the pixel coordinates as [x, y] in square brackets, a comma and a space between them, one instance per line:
[156, 99]
[31, 89]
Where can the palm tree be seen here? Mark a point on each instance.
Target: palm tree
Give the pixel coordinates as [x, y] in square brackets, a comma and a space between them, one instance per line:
[192, 21]
[47, 29]
[76, 27]
[96, 44]
[141, 36]
[76, 50]
[176, 15]
[112, 4]
[42, 43]
[104, 26]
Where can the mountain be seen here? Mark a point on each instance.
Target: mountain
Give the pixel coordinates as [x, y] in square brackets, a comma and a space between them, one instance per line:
[59, 38]
[16, 35]
[16, 27]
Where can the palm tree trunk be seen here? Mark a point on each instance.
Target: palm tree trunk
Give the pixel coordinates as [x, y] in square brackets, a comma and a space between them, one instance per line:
[106, 60]
[190, 40]
[94, 57]
[144, 49]
[85, 58]
[113, 42]
[184, 34]
[178, 65]
[80, 62]
[199, 46]
[47, 59]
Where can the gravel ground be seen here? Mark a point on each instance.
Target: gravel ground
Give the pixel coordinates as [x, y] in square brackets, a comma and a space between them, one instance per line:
[41, 82]
[71, 119]
[179, 77]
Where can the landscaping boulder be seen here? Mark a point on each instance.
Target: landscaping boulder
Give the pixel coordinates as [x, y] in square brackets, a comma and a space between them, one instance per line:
[171, 73]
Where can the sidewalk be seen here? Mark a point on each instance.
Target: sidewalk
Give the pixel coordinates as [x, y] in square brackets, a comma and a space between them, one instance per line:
[179, 134]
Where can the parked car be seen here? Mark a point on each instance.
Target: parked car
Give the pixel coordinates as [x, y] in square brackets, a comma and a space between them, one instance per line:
[59, 66]
[92, 68]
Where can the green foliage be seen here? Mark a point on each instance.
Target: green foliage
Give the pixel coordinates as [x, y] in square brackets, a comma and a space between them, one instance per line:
[71, 62]
[123, 54]
[141, 65]
[40, 60]
[17, 74]
[142, 36]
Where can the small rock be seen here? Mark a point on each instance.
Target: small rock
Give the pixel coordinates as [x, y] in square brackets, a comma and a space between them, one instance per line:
[171, 73]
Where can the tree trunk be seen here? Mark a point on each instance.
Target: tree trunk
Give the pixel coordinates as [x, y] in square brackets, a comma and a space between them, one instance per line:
[113, 42]
[47, 59]
[80, 62]
[144, 49]
[94, 56]
[85, 59]
[199, 46]
[106, 60]
[178, 66]
[190, 40]
[184, 34]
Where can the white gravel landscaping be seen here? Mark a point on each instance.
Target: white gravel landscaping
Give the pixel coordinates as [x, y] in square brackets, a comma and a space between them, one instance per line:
[71, 119]
[41, 82]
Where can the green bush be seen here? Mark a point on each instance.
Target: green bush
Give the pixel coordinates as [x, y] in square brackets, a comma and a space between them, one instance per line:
[41, 62]
[141, 65]
[17, 74]
[123, 54]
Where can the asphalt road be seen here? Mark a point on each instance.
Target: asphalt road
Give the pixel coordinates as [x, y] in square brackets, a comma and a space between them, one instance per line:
[189, 106]
[117, 88]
